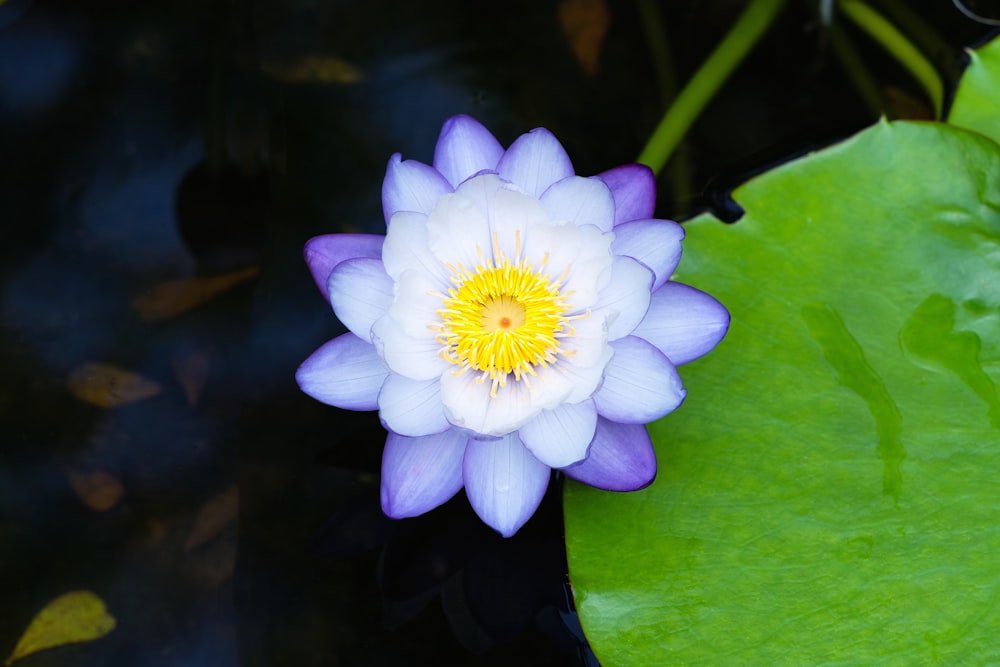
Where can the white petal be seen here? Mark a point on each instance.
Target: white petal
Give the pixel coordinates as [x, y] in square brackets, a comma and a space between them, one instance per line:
[411, 407]
[560, 437]
[508, 212]
[360, 292]
[555, 247]
[458, 232]
[511, 215]
[578, 257]
[582, 201]
[585, 282]
[504, 482]
[535, 161]
[624, 301]
[468, 404]
[406, 248]
[640, 384]
[415, 358]
[566, 382]
[419, 474]
[411, 186]
[587, 340]
[465, 148]
[684, 323]
[550, 386]
[415, 305]
[654, 243]
[345, 372]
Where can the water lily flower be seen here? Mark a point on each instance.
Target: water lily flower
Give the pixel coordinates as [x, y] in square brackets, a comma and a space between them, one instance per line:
[515, 318]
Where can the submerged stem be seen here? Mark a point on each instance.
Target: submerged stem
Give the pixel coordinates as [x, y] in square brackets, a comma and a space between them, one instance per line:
[679, 169]
[707, 80]
[856, 71]
[893, 41]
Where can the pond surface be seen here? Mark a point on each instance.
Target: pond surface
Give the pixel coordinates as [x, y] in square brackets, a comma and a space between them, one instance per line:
[163, 166]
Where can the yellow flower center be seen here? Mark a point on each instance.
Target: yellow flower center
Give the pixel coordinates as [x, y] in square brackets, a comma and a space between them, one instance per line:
[502, 318]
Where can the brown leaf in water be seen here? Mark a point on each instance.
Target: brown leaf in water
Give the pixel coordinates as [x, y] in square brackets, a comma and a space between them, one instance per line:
[78, 616]
[312, 69]
[173, 297]
[191, 368]
[216, 562]
[155, 533]
[99, 490]
[906, 105]
[108, 386]
[585, 24]
[212, 518]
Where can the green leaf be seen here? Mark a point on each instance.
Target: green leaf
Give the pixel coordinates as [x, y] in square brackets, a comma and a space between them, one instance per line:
[976, 101]
[828, 493]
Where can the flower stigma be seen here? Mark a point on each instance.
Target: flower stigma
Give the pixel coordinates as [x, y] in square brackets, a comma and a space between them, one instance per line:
[503, 317]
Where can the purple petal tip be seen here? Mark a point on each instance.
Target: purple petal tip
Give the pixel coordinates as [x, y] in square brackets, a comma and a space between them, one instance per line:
[634, 189]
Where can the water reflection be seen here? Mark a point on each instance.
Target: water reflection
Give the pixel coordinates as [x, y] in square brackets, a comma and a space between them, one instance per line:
[930, 339]
[843, 352]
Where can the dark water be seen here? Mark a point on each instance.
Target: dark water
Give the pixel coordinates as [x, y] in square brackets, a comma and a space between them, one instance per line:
[162, 164]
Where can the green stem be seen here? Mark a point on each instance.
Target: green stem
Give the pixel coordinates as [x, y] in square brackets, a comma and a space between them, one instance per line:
[923, 36]
[856, 71]
[893, 41]
[707, 80]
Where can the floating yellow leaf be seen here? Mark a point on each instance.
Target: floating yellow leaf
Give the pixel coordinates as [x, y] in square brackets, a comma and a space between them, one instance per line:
[108, 386]
[173, 297]
[585, 24]
[313, 69]
[79, 616]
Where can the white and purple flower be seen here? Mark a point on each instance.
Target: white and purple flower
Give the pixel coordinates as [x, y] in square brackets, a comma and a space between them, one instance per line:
[515, 318]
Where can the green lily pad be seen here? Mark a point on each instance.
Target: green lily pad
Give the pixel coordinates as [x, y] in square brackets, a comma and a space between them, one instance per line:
[977, 99]
[828, 493]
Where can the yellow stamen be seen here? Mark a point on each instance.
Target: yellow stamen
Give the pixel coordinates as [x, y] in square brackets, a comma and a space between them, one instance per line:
[502, 318]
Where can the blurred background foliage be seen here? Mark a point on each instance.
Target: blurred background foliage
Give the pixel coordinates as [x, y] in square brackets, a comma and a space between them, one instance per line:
[162, 165]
